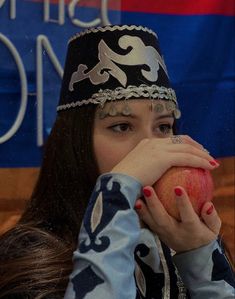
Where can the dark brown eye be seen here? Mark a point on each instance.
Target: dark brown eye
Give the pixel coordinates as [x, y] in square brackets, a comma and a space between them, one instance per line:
[120, 128]
[165, 129]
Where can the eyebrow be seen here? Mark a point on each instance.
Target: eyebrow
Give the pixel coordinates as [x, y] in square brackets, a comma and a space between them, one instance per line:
[165, 116]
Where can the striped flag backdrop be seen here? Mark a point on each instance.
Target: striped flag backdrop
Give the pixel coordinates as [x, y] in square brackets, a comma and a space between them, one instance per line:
[197, 40]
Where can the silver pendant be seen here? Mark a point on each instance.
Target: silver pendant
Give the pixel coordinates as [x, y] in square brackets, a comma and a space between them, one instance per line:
[126, 110]
[159, 108]
[170, 106]
[102, 114]
[113, 110]
[177, 113]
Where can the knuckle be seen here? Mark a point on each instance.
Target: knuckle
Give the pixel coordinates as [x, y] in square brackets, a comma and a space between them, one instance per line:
[191, 223]
[219, 224]
[193, 150]
[186, 138]
[144, 140]
[162, 227]
[190, 148]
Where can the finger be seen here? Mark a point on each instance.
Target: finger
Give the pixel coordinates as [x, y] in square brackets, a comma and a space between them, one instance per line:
[190, 160]
[186, 211]
[188, 148]
[190, 140]
[143, 213]
[155, 207]
[210, 217]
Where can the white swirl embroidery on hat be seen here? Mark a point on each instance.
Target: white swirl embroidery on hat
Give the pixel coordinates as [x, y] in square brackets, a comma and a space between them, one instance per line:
[138, 55]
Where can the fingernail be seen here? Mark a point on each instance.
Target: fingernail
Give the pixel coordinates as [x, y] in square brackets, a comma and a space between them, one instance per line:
[210, 210]
[147, 192]
[178, 191]
[138, 206]
[213, 163]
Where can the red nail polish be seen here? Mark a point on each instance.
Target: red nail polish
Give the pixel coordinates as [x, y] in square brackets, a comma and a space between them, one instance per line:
[210, 210]
[147, 192]
[178, 191]
[138, 206]
[213, 163]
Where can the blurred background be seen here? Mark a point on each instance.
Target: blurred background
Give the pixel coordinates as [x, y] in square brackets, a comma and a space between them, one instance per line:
[198, 44]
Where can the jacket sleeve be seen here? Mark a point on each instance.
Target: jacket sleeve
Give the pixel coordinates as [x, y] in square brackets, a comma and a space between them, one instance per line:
[206, 272]
[104, 260]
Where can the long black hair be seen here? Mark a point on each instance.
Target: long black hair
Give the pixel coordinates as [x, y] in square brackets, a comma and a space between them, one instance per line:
[36, 255]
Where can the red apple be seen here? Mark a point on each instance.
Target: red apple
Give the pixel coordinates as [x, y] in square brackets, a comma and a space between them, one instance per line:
[197, 182]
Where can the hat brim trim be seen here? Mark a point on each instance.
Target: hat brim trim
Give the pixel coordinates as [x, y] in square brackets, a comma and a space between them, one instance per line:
[130, 92]
[112, 28]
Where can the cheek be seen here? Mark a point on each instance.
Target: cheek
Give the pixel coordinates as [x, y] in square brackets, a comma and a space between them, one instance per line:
[107, 153]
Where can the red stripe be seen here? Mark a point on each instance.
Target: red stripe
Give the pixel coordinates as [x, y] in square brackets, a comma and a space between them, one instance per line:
[181, 7]
[173, 7]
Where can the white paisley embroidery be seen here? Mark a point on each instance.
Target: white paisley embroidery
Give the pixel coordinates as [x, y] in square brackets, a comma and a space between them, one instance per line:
[140, 280]
[139, 54]
[97, 213]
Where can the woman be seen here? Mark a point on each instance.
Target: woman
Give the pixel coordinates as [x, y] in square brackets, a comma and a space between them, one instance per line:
[113, 138]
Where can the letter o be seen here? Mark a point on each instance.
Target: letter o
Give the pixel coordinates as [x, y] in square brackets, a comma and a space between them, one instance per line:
[24, 89]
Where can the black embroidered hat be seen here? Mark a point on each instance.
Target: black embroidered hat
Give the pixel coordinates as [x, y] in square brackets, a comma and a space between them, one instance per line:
[113, 63]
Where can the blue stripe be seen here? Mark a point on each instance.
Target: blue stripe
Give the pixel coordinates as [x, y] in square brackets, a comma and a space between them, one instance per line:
[22, 150]
[200, 54]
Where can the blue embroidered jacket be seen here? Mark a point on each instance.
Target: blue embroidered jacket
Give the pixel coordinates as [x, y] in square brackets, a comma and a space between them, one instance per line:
[115, 259]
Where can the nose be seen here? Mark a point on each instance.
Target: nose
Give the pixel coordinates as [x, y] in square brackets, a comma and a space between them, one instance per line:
[147, 133]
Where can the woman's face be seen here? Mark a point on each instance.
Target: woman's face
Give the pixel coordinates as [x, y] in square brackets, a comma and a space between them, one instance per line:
[116, 136]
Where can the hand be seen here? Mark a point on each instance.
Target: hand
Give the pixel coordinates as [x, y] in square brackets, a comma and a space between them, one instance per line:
[152, 157]
[190, 233]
